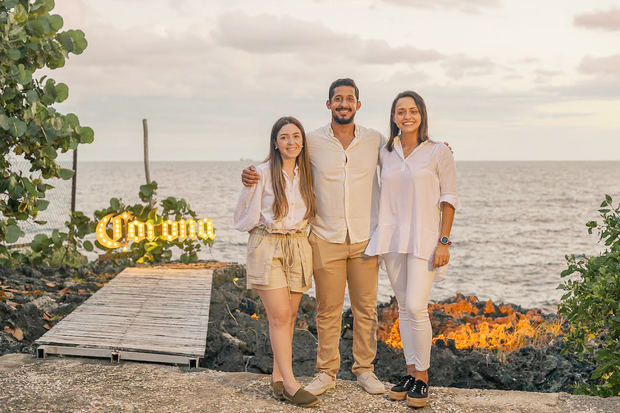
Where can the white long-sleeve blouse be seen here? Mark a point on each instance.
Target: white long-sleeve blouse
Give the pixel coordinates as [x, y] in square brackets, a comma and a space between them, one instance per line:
[255, 205]
[412, 190]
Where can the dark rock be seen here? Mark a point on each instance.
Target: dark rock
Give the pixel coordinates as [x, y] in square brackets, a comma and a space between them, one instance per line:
[238, 342]
[248, 306]
[40, 293]
[529, 368]
[226, 274]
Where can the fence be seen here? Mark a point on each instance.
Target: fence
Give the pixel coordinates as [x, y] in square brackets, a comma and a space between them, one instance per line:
[59, 199]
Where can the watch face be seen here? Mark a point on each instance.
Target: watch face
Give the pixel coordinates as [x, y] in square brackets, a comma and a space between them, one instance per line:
[444, 240]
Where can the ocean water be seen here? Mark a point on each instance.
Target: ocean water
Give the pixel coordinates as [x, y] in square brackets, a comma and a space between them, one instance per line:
[518, 221]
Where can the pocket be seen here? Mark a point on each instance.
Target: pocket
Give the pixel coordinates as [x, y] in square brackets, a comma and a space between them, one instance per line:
[311, 237]
[258, 260]
[306, 255]
[305, 252]
[255, 239]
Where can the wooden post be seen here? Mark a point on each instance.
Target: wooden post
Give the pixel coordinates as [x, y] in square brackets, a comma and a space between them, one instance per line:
[74, 181]
[147, 172]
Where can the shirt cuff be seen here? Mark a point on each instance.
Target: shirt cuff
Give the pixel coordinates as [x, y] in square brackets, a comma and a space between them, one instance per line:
[451, 199]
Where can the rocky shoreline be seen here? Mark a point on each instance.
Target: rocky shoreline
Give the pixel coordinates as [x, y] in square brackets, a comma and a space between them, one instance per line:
[32, 300]
[239, 342]
[78, 384]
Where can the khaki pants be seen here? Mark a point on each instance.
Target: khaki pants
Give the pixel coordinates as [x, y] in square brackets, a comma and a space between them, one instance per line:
[335, 265]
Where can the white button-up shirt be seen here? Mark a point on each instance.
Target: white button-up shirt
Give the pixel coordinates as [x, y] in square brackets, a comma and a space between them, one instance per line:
[412, 189]
[345, 183]
[255, 205]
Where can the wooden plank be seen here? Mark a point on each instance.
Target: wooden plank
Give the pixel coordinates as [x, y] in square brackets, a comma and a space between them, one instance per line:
[157, 311]
[156, 358]
[120, 354]
[76, 351]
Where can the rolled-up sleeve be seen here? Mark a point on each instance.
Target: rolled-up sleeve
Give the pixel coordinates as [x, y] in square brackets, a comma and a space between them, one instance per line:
[446, 169]
[248, 210]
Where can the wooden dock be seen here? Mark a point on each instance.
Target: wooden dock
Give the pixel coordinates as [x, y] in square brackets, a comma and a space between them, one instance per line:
[155, 314]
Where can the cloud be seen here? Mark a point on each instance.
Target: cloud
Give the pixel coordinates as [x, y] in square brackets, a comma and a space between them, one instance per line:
[565, 115]
[470, 6]
[269, 34]
[545, 76]
[273, 34]
[139, 61]
[380, 52]
[461, 65]
[609, 65]
[600, 19]
[598, 88]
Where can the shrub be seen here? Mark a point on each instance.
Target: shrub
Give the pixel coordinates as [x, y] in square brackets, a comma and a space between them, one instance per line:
[159, 250]
[591, 305]
[30, 39]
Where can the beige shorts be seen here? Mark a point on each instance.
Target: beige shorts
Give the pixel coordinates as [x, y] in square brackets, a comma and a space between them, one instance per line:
[294, 278]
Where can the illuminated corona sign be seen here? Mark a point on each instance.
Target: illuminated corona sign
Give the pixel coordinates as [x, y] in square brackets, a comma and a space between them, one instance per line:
[126, 229]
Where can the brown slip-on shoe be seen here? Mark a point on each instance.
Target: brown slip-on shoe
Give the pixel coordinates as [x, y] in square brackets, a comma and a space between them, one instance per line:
[302, 398]
[277, 388]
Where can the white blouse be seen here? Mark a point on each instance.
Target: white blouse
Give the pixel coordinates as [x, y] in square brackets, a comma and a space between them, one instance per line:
[255, 205]
[412, 189]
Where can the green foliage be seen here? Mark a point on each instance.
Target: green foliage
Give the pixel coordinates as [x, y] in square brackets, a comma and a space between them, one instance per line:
[55, 250]
[160, 250]
[29, 125]
[591, 305]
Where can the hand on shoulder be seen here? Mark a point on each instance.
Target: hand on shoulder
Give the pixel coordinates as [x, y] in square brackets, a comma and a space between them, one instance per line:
[250, 176]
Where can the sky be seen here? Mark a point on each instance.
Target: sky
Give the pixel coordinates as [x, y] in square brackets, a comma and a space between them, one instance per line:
[502, 79]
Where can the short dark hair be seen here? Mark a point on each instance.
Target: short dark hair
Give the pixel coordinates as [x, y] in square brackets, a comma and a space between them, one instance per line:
[343, 82]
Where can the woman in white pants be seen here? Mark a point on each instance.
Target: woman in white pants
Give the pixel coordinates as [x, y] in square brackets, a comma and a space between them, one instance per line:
[417, 204]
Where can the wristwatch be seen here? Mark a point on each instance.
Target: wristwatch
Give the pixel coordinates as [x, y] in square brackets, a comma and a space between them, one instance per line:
[445, 241]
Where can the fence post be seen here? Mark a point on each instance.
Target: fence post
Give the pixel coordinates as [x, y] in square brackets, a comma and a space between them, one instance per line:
[147, 172]
[74, 181]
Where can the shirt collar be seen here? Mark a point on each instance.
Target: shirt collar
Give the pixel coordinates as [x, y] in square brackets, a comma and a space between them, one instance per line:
[397, 145]
[330, 131]
[296, 171]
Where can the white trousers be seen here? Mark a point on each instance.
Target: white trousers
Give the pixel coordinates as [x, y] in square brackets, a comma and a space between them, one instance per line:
[412, 280]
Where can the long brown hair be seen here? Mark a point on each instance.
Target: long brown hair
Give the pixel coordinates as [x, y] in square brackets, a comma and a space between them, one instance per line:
[280, 204]
[422, 130]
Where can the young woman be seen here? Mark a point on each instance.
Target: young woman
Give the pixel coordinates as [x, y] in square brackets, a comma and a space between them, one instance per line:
[279, 261]
[417, 203]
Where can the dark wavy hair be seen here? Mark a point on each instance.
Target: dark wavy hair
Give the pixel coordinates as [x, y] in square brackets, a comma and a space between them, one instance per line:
[422, 130]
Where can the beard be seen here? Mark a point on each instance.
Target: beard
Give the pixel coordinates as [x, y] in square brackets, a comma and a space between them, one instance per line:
[343, 121]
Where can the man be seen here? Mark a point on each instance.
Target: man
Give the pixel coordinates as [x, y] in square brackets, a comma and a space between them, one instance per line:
[343, 158]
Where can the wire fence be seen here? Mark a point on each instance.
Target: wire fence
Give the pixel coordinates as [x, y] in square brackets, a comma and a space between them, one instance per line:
[59, 208]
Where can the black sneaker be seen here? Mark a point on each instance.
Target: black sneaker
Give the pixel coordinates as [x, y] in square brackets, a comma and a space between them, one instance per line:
[399, 392]
[418, 395]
